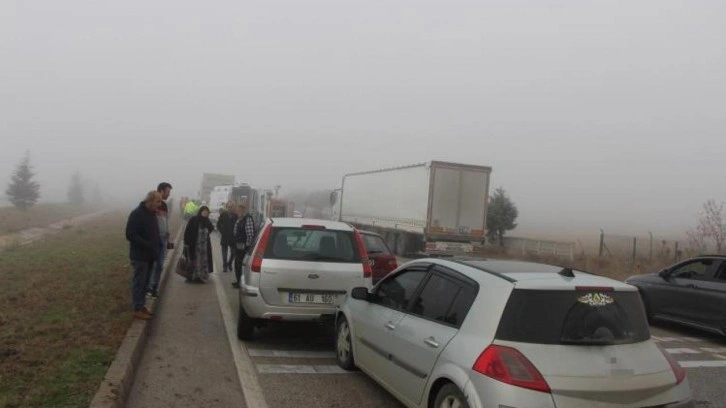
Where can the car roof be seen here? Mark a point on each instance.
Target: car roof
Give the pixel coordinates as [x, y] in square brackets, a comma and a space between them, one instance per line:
[299, 222]
[375, 234]
[529, 275]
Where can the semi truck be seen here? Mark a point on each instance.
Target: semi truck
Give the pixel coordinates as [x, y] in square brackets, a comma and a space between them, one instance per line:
[432, 208]
[210, 181]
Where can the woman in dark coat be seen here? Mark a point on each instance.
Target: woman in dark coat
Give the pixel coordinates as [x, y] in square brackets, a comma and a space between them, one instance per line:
[198, 245]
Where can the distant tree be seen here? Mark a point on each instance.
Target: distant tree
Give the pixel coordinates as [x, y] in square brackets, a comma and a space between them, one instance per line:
[712, 224]
[76, 194]
[23, 192]
[501, 215]
[97, 195]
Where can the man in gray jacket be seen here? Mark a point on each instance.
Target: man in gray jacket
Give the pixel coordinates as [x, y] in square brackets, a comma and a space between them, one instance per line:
[162, 216]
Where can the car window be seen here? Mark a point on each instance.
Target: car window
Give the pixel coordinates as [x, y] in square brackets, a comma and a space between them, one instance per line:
[375, 245]
[721, 275]
[444, 300]
[573, 317]
[397, 292]
[299, 244]
[697, 270]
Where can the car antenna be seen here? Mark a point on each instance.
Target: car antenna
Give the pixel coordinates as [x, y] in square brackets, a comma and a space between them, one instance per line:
[566, 272]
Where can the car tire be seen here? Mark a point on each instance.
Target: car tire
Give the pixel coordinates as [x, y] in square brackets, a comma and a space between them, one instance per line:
[343, 345]
[648, 310]
[245, 325]
[450, 396]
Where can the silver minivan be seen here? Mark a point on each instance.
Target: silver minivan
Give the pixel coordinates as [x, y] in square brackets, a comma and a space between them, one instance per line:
[300, 270]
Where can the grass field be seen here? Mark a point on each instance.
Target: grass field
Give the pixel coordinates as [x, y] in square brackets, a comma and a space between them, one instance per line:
[41, 215]
[64, 310]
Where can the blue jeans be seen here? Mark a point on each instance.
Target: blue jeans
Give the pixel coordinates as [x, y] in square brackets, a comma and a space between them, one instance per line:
[141, 274]
[158, 266]
[227, 261]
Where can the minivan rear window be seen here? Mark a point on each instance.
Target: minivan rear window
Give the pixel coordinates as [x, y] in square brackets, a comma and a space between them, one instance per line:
[580, 317]
[315, 245]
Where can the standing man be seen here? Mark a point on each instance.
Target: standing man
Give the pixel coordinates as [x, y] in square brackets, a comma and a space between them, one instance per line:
[225, 226]
[162, 216]
[142, 232]
[244, 235]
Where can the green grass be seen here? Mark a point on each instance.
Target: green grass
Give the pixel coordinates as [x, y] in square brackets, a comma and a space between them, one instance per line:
[64, 310]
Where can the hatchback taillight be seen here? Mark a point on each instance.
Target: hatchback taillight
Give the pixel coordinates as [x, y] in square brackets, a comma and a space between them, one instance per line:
[367, 270]
[678, 371]
[259, 254]
[509, 366]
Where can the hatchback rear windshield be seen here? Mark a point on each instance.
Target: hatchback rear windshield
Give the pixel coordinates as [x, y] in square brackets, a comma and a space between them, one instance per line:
[312, 245]
[574, 317]
[375, 245]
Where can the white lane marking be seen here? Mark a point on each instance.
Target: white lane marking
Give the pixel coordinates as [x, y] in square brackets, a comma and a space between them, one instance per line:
[707, 363]
[691, 339]
[245, 369]
[290, 353]
[714, 350]
[682, 351]
[299, 369]
[656, 338]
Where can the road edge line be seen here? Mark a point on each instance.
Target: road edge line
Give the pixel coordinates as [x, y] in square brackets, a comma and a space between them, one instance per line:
[245, 368]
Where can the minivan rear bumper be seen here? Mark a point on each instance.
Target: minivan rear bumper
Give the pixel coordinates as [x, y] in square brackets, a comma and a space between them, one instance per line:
[255, 307]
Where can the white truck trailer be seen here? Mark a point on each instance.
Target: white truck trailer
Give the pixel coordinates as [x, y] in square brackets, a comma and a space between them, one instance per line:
[434, 207]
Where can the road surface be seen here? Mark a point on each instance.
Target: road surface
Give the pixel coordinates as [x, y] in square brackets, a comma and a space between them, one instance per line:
[193, 358]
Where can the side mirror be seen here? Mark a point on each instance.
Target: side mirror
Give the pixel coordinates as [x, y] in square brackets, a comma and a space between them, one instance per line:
[663, 274]
[360, 293]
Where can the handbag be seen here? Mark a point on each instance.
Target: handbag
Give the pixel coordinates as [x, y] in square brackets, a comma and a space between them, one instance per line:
[184, 266]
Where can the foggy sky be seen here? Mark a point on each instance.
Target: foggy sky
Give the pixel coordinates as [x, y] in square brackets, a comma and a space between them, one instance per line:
[592, 114]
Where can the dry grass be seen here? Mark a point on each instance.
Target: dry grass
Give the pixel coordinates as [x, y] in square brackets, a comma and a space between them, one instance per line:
[64, 309]
[612, 267]
[41, 215]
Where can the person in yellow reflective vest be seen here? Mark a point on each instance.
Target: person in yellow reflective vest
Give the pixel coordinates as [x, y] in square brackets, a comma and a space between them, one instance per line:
[190, 210]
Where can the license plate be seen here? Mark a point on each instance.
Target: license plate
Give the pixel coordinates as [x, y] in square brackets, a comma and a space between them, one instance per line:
[314, 298]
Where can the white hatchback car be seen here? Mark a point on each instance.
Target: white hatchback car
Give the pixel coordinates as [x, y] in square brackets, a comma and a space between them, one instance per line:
[495, 334]
[300, 269]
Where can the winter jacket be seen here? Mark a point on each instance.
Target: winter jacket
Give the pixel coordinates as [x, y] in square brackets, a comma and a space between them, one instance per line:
[225, 226]
[142, 232]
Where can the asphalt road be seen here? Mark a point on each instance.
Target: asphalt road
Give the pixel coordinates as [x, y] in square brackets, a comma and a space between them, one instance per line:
[194, 359]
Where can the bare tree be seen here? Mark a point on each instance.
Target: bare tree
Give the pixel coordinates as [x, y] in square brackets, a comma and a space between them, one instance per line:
[712, 224]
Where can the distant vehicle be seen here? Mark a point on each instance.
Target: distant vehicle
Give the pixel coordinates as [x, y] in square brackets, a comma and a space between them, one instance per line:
[300, 269]
[690, 293]
[220, 195]
[280, 208]
[480, 333]
[433, 207]
[382, 260]
[210, 181]
[297, 214]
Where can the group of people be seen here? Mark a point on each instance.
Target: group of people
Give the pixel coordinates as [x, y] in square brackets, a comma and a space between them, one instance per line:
[147, 231]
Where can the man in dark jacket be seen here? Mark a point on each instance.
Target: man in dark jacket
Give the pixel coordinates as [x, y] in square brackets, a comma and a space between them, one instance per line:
[142, 232]
[225, 226]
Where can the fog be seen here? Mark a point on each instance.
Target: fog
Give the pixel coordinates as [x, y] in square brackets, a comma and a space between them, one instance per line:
[595, 114]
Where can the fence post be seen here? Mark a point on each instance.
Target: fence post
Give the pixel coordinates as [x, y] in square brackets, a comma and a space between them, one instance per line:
[602, 241]
[635, 244]
[675, 253]
[651, 246]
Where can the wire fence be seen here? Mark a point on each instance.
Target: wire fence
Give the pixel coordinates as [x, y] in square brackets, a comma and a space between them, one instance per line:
[639, 248]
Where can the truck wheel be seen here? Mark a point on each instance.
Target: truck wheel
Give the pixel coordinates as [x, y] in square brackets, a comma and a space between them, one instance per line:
[402, 244]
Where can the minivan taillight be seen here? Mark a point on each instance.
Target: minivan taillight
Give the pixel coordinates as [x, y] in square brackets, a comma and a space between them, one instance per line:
[678, 371]
[509, 366]
[259, 254]
[367, 271]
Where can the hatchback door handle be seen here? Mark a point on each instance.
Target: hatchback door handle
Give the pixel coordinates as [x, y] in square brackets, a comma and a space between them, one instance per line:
[390, 326]
[431, 342]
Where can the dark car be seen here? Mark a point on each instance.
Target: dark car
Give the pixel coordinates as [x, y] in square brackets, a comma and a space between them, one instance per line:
[692, 293]
[382, 260]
